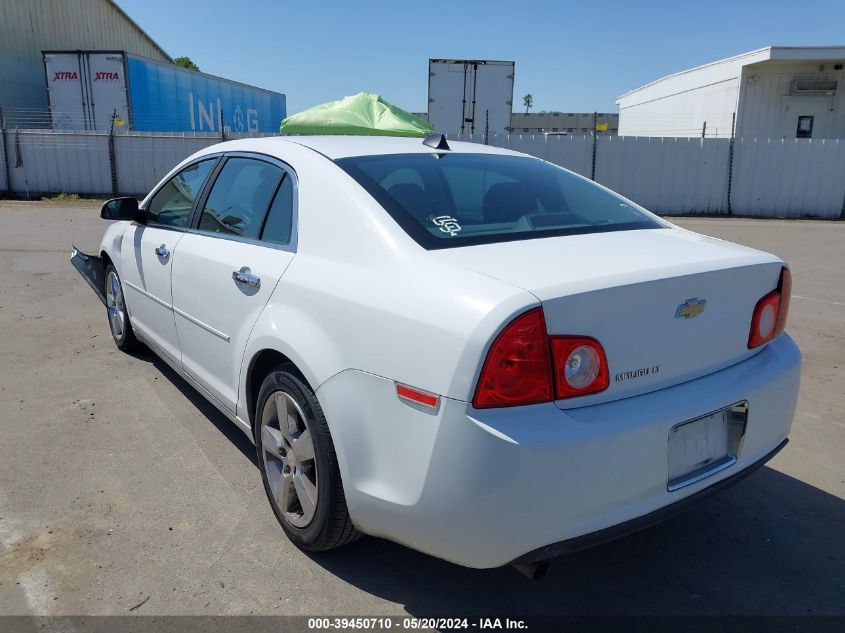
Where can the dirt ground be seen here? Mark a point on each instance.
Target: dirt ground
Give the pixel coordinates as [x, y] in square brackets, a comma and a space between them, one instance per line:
[120, 485]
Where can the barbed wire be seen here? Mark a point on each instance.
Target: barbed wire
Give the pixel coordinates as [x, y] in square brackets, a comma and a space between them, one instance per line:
[45, 121]
[645, 124]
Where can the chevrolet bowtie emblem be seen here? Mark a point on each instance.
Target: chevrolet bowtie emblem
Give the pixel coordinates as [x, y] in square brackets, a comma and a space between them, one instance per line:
[690, 308]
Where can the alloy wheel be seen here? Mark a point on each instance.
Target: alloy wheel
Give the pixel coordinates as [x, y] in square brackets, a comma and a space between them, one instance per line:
[288, 455]
[115, 306]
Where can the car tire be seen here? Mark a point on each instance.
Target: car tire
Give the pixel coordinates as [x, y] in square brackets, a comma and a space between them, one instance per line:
[119, 323]
[301, 479]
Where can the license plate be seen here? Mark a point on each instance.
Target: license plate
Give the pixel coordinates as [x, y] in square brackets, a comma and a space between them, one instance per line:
[704, 446]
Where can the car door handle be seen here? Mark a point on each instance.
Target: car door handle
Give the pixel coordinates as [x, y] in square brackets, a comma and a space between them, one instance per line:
[162, 251]
[244, 276]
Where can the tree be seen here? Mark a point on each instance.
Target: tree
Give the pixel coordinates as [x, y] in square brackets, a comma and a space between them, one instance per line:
[186, 62]
[528, 102]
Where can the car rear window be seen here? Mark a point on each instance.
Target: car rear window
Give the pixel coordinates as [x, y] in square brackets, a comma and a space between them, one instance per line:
[450, 200]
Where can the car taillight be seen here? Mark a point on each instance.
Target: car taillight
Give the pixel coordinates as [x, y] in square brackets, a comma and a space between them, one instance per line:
[580, 366]
[518, 368]
[769, 318]
[526, 366]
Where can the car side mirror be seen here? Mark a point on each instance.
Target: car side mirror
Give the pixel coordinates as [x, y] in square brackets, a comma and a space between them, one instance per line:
[120, 209]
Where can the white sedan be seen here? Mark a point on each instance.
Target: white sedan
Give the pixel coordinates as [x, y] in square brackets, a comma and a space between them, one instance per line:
[461, 348]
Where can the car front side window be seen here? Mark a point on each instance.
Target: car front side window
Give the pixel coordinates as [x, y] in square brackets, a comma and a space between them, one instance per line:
[171, 205]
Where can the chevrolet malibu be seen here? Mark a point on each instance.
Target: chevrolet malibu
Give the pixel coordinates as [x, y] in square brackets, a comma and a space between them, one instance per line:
[460, 348]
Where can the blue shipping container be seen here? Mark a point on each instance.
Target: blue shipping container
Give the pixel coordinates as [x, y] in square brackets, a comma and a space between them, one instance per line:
[167, 98]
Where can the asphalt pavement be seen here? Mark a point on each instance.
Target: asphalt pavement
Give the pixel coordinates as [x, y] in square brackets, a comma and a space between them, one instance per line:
[123, 492]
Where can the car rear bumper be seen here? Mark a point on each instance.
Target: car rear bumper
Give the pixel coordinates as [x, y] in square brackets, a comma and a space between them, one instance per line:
[487, 488]
[642, 522]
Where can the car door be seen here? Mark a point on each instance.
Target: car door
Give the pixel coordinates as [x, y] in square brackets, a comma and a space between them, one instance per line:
[227, 265]
[147, 256]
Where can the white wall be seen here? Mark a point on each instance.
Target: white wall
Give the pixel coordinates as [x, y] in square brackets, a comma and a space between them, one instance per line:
[142, 160]
[755, 85]
[767, 110]
[57, 162]
[666, 175]
[680, 104]
[684, 113]
[572, 152]
[789, 178]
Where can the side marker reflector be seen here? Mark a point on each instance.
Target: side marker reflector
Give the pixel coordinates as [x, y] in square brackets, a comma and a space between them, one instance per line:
[416, 396]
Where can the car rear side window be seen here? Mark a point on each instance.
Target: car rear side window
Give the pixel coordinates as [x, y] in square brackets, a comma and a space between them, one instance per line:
[450, 200]
[277, 227]
[171, 205]
[239, 198]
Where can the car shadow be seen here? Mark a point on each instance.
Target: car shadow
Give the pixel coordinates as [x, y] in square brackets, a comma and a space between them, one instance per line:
[771, 545]
[220, 421]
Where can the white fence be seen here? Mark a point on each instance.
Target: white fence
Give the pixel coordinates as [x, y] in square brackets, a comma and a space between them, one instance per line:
[765, 177]
[142, 159]
[57, 162]
[789, 178]
[571, 152]
[666, 175]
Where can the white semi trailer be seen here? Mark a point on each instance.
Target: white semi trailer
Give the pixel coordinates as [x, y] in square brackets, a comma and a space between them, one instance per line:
[470, 96]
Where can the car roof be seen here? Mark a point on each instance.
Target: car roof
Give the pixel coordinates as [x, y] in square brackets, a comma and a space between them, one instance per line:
[334, 147]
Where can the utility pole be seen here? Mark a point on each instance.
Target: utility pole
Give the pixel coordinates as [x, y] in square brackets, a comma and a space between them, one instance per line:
[595, 139]
[487, 127]
[731, 163]
[474, 86]
[5, 153]
[112, 162]
[464, 103]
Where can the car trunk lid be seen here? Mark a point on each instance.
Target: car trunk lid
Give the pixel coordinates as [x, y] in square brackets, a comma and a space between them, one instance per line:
[667, 305]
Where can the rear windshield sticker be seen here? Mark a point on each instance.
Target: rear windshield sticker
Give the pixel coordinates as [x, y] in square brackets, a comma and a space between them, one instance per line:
[447, 224]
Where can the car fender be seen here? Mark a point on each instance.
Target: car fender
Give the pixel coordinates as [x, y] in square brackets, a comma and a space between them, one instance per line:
[288, 330]
[112, 242]
[111, 248]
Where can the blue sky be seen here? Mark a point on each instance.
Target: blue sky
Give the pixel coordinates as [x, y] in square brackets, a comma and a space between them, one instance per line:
[572, 56]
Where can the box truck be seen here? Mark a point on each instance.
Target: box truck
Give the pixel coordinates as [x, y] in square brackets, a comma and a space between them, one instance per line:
[87, 89]
[470, 96]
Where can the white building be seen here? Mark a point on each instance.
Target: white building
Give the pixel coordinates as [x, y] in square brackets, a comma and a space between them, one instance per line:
[775, 92]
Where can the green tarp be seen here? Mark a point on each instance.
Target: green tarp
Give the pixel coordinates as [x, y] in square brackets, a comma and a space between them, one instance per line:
[362, 114]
